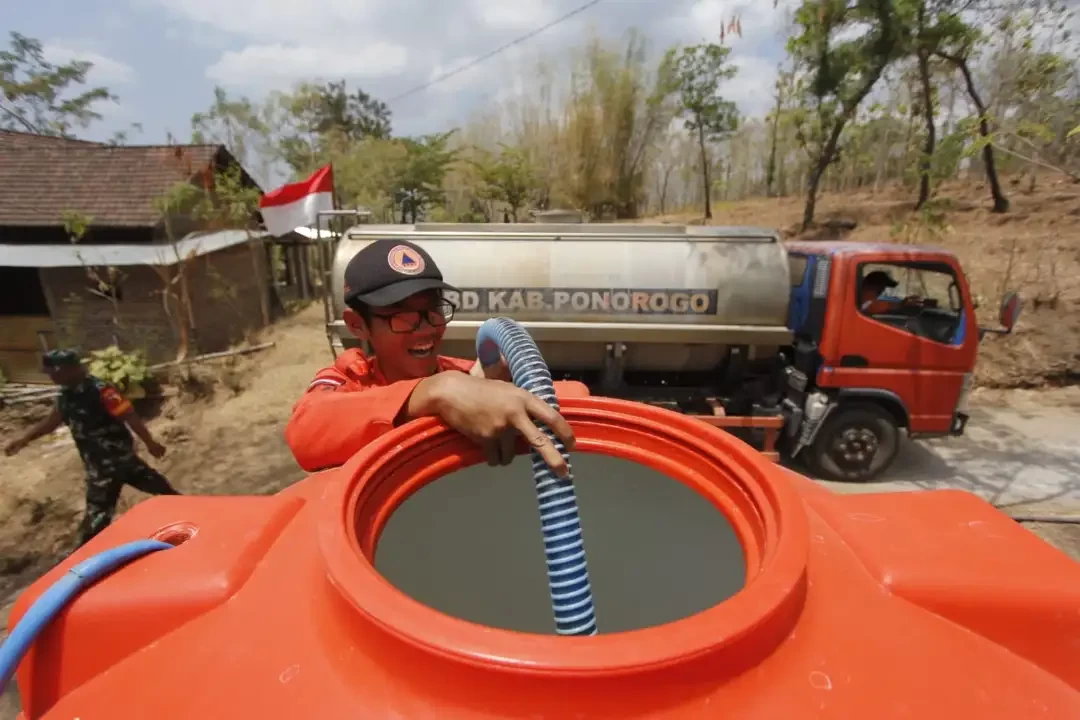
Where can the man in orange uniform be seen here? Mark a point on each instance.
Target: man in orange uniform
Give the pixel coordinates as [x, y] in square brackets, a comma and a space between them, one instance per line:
[393, 294]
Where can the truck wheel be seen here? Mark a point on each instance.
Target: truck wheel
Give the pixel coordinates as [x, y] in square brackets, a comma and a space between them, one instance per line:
[856, 444]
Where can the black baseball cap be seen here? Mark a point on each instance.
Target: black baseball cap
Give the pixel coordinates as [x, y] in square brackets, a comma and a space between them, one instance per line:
[880, 277]
[388, 271]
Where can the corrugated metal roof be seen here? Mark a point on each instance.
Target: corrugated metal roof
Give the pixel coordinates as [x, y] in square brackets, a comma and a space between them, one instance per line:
[313, 234]
[193, 245]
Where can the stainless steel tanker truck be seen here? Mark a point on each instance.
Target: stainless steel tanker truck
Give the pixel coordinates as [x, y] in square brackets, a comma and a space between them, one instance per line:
[767, 339]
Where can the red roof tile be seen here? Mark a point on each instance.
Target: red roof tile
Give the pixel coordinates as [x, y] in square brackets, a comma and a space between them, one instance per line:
[15, 139]
[41, 178]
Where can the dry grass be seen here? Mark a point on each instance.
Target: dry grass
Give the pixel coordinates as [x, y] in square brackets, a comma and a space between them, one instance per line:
[1034, 249]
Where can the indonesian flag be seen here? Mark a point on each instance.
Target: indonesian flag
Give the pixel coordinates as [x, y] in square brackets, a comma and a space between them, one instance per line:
[296, 205]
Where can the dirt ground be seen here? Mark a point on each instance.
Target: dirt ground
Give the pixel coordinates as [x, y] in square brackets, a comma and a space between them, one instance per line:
[228, 442]
[224, 428]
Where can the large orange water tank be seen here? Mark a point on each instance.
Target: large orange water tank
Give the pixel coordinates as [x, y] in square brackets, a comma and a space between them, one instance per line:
[910, 605]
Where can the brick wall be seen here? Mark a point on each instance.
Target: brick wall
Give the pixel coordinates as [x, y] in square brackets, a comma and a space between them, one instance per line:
[86, 320]
[224, 297]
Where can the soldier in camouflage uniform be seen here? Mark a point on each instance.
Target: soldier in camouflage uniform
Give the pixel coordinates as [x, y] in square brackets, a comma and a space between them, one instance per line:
[98, 416]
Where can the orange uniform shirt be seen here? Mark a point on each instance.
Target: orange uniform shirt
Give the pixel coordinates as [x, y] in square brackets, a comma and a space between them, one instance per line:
[350, 404]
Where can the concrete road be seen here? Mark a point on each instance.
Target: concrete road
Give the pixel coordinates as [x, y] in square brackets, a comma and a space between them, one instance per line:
[1023, 459]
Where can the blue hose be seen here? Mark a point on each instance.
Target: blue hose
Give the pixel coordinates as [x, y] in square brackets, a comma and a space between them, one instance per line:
[59, 594]
[564, 547]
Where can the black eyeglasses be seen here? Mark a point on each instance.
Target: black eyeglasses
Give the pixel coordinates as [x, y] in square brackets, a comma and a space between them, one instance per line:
[405, 321]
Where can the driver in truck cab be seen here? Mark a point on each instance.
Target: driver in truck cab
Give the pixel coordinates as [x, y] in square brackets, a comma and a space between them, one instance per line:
[393, 297]
[873, 285]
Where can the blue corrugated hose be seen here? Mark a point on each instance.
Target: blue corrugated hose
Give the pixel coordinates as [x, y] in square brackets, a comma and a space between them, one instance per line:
[564, 547]
[62, 592]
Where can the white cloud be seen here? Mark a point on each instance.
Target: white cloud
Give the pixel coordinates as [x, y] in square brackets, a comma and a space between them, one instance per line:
[113, 110]
[752, 86]
[262, 66]
[522, 15]
[276, 20]
[754, 53]
[391, 48]
[458, 82]
[105, 70]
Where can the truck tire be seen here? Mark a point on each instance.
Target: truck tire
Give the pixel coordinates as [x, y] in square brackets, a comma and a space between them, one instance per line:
[857, 442]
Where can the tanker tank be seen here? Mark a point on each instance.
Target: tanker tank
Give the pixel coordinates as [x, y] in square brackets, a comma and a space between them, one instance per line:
[660, 298]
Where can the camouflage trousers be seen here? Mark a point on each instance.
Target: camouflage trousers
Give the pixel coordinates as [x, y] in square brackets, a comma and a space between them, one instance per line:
[104, 481]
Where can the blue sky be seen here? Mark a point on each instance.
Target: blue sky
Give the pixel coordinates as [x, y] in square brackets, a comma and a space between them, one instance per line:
[164, 57]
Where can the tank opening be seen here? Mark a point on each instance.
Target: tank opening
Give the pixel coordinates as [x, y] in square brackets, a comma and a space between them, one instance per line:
[176, 534]
[469, 545]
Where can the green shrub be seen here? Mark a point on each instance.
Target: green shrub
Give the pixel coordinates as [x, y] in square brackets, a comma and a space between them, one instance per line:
[126, 370]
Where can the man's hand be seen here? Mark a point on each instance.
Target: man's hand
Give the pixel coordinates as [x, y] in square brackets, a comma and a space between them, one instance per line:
[501, 371]
[156, 449]
[492, 414]
[14, 447]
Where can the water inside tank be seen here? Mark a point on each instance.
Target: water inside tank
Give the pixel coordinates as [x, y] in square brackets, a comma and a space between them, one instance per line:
[469, 545]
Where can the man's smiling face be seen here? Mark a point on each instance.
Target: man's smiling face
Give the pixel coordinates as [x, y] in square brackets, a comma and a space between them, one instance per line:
[406, 337]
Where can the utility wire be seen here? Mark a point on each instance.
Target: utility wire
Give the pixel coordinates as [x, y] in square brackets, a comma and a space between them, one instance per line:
[493, 53]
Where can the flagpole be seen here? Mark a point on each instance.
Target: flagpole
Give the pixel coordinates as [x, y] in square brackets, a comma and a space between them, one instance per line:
[325, 263]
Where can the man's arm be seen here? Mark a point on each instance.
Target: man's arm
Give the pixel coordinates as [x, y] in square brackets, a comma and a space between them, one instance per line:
[329, 425]
[886, 306]
[138, 426]
[121, 408]
[44, 427]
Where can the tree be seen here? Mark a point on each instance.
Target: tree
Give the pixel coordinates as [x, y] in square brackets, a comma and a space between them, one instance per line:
[957, 47]
[104, 283]
[177, 206]
[358, 115]
[37, 96]
[843, 71]
[230, 201]
[237, 123]
[615, 110]
[783, 84]
[419, 179]
[311, 116]
[1034, 93]
[365, 172]
[925, 41]
[507, 177]
[930, 28]
[700, 71]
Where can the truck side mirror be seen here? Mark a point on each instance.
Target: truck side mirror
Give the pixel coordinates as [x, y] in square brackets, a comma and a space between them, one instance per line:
[1011, 305]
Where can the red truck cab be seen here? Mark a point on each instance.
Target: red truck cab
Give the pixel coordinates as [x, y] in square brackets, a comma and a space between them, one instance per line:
[885, 339]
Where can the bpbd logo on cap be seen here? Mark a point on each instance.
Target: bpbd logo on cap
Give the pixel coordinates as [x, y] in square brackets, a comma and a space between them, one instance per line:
[405, 260]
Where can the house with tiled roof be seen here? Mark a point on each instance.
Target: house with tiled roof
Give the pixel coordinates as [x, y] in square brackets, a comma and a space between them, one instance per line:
[119, 283]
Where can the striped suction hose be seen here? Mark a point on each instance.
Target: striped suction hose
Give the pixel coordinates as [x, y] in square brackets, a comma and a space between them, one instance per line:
[564, 547]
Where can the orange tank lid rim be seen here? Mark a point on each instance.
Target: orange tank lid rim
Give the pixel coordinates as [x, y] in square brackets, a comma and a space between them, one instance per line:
[766, 513]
